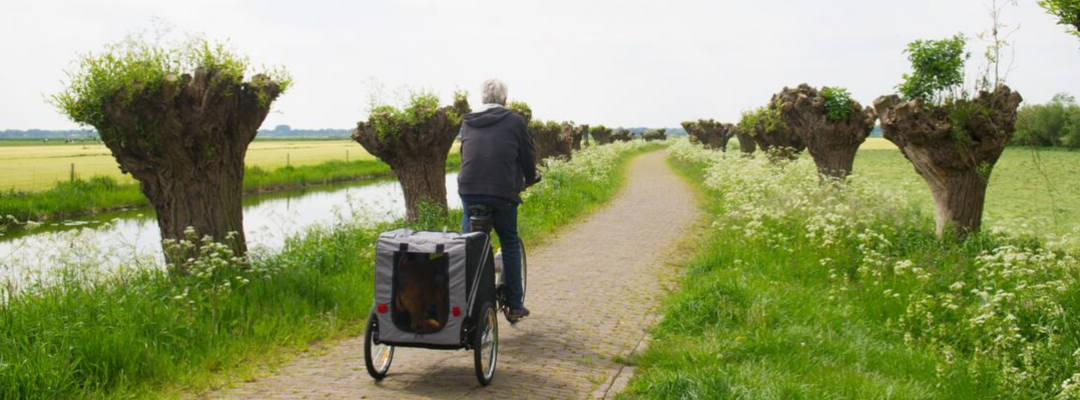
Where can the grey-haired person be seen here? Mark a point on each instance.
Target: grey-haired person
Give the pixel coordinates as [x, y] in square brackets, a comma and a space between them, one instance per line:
[498, 162]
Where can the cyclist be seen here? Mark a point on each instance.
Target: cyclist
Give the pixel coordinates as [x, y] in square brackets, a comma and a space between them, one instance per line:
[498, 162]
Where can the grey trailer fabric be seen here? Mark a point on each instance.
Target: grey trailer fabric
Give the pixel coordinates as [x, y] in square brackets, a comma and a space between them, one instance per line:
[454, 246]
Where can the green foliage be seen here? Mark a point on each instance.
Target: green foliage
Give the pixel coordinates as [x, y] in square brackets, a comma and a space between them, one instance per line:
[137, 68]
[771, 121]
[461, 103]
[431, 217]
[390, 121]
[938, 69]
[765, 118]
[1067, 12]
[838, 103]
[522, 108]
[960, 112]
[1056, 123]
[748, 122]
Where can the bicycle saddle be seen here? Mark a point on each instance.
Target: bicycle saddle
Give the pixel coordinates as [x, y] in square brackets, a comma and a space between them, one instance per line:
[480, 218]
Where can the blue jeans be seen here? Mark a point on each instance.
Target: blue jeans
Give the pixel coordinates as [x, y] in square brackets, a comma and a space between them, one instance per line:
[504, 220]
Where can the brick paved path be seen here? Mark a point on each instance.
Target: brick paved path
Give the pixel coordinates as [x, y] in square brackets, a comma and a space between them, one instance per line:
[592, 291]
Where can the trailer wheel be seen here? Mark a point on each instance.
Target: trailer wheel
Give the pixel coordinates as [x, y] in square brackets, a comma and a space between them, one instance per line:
[377, 356]
[486, 344]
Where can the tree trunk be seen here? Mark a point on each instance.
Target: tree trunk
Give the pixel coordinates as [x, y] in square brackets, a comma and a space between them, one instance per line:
[580, 133]
[959, 199]
[423, 180]
[778, 143]
[729, 131]
[208, 202]
[204, 195]
[834, 162]
[746, 143]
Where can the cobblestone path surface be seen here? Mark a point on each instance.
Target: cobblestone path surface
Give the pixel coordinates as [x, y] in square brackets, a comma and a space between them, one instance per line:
[593, 290]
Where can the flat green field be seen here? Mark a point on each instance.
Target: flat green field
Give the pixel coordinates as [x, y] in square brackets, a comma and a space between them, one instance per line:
[1031, 190]
[27, 166]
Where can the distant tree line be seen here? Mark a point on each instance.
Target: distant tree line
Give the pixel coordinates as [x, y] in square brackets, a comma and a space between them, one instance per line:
[280, 131]
[639, 131]
[47, 134]
[1054, 124]
[287, 131]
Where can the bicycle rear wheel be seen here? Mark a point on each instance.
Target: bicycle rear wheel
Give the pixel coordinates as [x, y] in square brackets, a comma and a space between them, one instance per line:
[524, 273]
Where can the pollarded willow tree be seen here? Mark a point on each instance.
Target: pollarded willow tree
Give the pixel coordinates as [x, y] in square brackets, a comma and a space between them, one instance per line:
[179, 119]
[746, 140]
[580, 134]
[715, 134]
[622, 135]
[743, 131]
[601, 134]
[770, 132]
[655, 134]
[829, 122]
[710, 133]
[522, 109]
[953, 141]
[729, 132]
[415, 141]
[550, 140]
[691, 128]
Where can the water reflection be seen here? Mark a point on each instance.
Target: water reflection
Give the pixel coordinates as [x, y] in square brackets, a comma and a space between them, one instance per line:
[102, 243]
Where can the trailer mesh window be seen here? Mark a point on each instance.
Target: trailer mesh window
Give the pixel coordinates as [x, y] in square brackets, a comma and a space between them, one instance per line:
[420, 292]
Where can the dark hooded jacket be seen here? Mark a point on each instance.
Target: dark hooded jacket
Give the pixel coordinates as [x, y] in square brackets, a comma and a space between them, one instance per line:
[496, 155]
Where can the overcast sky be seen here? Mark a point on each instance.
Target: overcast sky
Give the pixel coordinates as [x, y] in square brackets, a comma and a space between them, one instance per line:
[615, 62]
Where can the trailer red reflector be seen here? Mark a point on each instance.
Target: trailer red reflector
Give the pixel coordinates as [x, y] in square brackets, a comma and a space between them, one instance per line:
[456, 311]
[382, 308]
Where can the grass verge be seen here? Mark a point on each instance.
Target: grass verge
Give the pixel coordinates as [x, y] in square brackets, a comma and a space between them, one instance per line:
[98, 194]
[843, 292]
[145, 334]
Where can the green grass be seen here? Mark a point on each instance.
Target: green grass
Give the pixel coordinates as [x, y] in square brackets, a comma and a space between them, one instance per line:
[1030, 189]
[103, 193]
[37, 167]
[854, 299]
[148, 335]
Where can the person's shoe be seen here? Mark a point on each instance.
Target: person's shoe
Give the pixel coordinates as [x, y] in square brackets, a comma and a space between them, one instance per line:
[516, 314]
